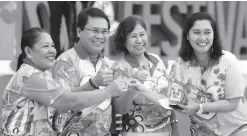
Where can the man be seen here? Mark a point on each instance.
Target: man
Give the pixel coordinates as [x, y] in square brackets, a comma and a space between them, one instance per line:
[84, 65]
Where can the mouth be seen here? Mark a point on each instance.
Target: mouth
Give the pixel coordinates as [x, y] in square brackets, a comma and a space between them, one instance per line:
[98, 42]
[202, 44]
[52, 58]
[139, 47]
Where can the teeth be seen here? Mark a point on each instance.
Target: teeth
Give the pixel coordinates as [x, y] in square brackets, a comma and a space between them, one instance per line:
[202, 44]
[98, 42]
[139, 47]
[52, 58]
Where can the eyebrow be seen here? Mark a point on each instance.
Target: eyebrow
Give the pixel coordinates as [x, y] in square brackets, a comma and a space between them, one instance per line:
[137, 33]
[204, 29]
[99, 28]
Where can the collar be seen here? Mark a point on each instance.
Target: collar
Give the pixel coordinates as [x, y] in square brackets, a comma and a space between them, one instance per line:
[83, 54]
[134, 63]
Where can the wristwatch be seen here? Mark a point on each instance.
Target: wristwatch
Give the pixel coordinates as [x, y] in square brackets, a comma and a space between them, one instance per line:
[200, 111]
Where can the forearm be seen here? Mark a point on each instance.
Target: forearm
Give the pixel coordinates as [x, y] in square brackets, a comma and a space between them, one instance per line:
[80, 100]
[84, 87]
[124, 102]
[174, 123]
[221, 105]
[151, 96]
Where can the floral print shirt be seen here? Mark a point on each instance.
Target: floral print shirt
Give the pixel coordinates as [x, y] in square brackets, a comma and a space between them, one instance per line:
[144, 116]
[222, 80]
[71, 70]
[22, 116]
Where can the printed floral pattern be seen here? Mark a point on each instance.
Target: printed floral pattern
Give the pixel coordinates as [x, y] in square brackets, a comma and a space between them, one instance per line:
[145, 117]
[206, 87]
[22, 116]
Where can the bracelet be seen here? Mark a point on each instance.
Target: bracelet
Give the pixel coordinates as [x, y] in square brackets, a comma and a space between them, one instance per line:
[92, 84]
[174, 121]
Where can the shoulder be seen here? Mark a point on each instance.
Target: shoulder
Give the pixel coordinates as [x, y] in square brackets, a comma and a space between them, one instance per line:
[69, 54]
[67, 58]
[228, 58]
[180, 62]
[21, 76]
[155, 58]
[228, 55]
[27, 70]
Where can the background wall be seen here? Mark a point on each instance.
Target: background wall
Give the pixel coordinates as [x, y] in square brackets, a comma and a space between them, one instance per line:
[164, 26]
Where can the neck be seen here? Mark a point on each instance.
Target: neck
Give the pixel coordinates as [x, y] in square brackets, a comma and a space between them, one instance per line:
[137, 57]
[83, 53]
[29, 62]
[202, 58]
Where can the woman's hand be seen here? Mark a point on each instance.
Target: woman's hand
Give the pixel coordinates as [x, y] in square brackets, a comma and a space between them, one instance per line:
[137, 85]
[189, 109]
[140, 75]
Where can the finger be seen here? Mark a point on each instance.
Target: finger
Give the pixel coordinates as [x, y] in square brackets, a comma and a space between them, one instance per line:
[107, 72]
[124, 90]
[108, 79]
[182, 106]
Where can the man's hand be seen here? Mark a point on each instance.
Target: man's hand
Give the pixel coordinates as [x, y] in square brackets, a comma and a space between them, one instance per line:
[103, 77]
[117, 87]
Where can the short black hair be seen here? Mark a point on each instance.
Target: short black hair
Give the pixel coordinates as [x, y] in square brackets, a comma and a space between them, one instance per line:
[186, 51]
[124, 29]
[92, 12]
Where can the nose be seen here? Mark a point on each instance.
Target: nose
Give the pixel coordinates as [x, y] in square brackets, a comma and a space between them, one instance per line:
[52, 50]
[202, 37]
[99, 35]
[138, 39]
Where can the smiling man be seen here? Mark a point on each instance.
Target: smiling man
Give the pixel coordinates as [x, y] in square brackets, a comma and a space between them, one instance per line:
[84, 65]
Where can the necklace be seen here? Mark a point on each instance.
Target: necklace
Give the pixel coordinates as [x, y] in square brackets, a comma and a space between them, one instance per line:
[203, 65]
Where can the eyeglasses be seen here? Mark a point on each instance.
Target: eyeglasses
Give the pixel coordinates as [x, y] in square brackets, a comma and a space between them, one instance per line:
[97, 31]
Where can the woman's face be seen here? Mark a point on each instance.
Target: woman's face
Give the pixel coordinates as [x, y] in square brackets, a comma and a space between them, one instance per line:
[201, 36]
[43, 52]
[137, 41]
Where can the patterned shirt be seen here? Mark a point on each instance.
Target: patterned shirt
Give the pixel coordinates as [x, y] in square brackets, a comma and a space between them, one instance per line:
[73, 69]
[216, 83]
[144, 116]
[22, 116]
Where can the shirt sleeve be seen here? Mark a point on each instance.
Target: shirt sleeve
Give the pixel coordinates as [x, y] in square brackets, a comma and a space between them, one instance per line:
[234, 86]
[65, 74]
[42, 88]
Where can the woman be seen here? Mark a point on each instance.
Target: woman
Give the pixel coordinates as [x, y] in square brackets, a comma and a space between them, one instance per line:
[212, 79]
[31, 97]
[143, 114]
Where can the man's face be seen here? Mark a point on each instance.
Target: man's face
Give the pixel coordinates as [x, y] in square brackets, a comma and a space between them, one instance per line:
[95, 35]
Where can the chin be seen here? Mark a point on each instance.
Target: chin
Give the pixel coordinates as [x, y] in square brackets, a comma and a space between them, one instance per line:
[96, 50]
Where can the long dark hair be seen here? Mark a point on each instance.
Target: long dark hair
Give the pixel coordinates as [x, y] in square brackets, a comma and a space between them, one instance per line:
[186, 51]
[29, 38]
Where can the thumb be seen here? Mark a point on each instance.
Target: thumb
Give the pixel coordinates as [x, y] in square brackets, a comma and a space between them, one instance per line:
[104, 65]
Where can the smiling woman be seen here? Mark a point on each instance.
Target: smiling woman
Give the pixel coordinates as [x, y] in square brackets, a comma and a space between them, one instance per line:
[213, 81]
[142, 113]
